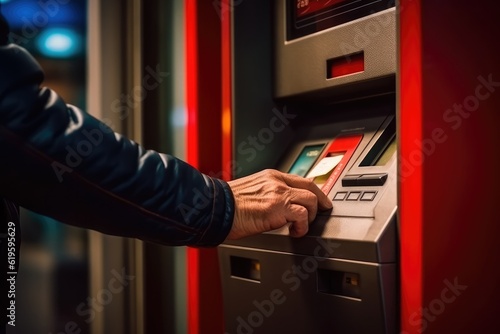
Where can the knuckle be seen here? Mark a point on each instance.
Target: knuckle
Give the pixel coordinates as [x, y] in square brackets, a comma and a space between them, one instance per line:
[306, 198]
[310, 197]
[310, 183]
[303, 213]
[270, 172]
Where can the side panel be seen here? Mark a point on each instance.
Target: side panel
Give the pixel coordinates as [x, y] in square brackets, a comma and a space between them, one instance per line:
[456, 159]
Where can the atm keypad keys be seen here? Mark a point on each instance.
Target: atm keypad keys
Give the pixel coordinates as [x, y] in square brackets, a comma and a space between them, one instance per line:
[353, 195]
[340, 196]
[368, 196]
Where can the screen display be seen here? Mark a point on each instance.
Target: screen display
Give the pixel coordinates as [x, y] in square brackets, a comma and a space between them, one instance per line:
[306, 17]
[383, 149]
[324, 169]
[307, 7]
[387, 154]
[306, 159]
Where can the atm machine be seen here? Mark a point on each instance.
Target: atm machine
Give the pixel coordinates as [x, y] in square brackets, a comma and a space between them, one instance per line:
[313, 94]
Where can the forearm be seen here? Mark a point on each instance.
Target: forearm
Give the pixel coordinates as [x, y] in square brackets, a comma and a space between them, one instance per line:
[61, 162]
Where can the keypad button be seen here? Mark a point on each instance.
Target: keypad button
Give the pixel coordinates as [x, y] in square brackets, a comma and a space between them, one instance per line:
[340, 196]
[353, 195]
[368, 195]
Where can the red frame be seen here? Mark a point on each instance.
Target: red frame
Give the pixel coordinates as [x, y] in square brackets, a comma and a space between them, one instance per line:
[204, 151]
[410, 133]
[439, 65]
[449, 85]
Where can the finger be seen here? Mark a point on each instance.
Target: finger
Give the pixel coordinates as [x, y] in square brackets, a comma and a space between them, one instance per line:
[306, 199]
[296, 181]
[298, 217]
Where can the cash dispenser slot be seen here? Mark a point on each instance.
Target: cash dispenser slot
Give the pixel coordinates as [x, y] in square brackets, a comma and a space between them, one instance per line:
[339, 283]
[245, 268]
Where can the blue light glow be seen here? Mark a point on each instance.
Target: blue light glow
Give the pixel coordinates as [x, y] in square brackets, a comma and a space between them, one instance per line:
[34, 15]
[59, 43]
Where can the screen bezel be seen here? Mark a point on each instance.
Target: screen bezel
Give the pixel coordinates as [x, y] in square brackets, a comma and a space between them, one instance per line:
[330, 16]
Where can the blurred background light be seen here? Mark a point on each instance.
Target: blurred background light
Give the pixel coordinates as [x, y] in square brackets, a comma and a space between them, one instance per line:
[32, 15]
[59, 43]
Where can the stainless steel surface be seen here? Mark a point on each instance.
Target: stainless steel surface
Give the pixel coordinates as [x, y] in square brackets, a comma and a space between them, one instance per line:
[273, 76]
[301, 63]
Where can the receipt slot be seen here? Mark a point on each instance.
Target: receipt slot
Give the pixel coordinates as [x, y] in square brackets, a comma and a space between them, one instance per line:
[329, 66]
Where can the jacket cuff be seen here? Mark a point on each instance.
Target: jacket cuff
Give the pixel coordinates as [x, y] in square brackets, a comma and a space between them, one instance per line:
[223, 215]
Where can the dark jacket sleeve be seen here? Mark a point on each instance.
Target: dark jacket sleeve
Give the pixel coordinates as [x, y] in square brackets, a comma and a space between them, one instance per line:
[61, 162]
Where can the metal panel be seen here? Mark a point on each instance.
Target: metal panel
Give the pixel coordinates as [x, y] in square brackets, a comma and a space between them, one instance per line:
[301, 63]
[271, 78]
[288, 298]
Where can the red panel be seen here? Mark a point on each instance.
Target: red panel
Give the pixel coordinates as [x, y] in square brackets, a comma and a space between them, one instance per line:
[227, 134]
[346, 65]
[450, 90]
[410, 167]
[192, 156]
[345, 145]
[204, 151]
[461, 101]
[192, 81]
[227, 129]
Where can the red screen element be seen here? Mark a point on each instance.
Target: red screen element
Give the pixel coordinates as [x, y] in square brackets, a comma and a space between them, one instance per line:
[345, 65]
[345, 145]
[306, 7]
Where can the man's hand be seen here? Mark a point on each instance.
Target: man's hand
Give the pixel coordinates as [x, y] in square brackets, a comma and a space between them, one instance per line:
[270, 199]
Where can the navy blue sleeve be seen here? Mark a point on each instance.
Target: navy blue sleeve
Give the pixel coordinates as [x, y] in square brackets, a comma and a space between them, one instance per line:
[57, 160]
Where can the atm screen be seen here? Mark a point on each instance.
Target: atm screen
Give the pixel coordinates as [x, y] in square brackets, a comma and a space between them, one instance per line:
[387, 153]
[307, 7]
[383, 149]
[310, 16]
[306, 159]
